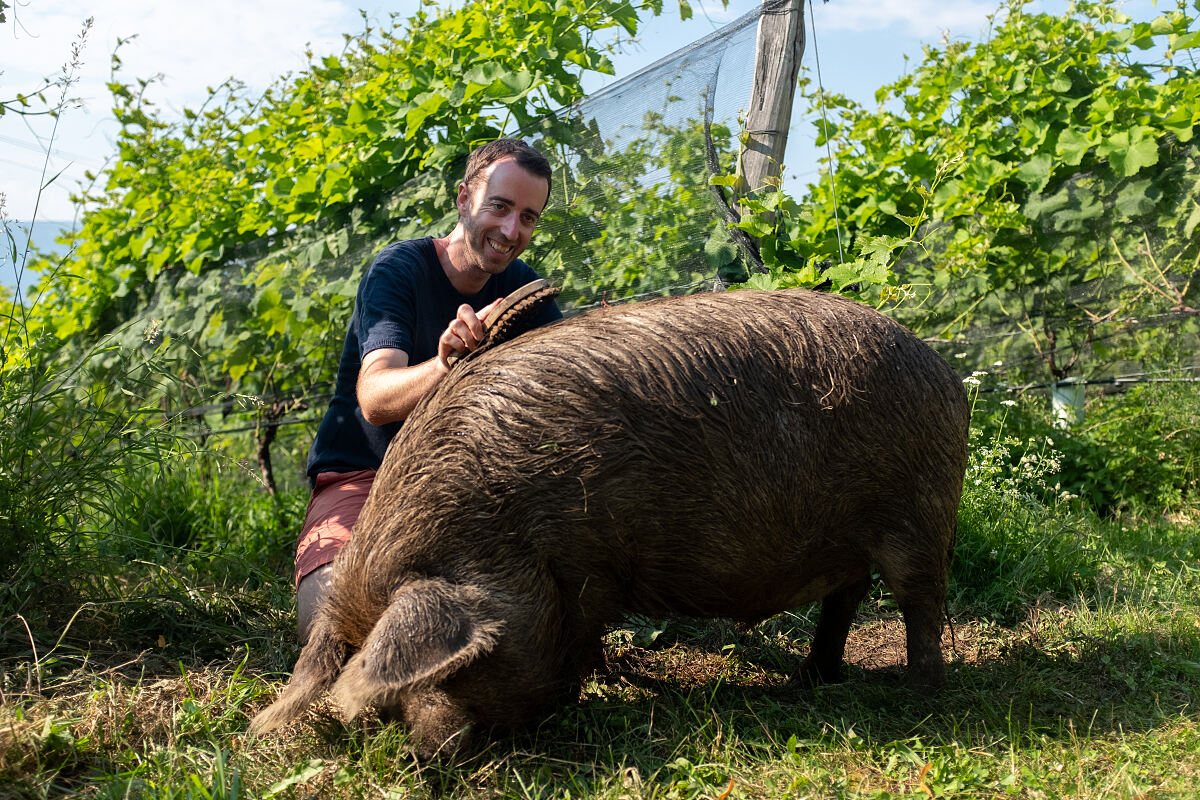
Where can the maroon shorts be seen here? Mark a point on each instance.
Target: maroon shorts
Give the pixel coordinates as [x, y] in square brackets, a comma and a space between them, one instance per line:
[337, 498]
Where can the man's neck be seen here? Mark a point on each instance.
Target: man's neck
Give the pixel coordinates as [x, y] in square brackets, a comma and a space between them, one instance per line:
[465, 279]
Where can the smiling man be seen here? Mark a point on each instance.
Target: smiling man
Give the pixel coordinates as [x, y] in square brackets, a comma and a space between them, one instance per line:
[421, 302]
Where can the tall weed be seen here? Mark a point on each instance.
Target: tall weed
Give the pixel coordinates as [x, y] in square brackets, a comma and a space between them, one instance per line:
[211, 516]
[69, 446]
[108, 503]
[1035, 495]
[93, 470]
[1020, 535]
[1138, 449]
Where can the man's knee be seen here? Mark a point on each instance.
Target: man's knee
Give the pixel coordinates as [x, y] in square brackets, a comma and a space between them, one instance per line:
[312, 588]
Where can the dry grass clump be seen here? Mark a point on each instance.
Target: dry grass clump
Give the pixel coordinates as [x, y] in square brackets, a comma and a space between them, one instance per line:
[95, 720]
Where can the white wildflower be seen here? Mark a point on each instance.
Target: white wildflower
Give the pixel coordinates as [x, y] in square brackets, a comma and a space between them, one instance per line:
[153, 333]
[1009, 403]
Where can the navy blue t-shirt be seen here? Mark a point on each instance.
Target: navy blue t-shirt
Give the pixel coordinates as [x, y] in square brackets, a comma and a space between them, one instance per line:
[404, 301]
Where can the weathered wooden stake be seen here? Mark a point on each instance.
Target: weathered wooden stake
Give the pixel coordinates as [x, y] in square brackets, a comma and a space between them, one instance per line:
[776, 67]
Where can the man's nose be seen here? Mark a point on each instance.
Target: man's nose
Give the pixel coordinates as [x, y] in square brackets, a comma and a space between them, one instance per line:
[511, 226]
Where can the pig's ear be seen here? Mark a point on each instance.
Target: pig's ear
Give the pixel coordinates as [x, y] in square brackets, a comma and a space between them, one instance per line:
[431, 629]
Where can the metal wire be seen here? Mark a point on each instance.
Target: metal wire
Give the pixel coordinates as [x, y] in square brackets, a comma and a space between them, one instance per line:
[837, 222]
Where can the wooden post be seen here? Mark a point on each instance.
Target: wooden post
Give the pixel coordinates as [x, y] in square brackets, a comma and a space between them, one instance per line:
[776, 67]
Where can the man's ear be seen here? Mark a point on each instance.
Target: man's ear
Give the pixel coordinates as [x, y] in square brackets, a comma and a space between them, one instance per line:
[430, 629]
[463, 200]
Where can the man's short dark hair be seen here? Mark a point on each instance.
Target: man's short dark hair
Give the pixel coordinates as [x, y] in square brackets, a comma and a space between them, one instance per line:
[528, 158]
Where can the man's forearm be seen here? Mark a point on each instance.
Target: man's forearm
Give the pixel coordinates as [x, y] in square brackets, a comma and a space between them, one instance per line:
[388, 391]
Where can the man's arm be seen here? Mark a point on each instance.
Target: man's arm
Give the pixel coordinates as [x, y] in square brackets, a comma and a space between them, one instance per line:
[389, 389]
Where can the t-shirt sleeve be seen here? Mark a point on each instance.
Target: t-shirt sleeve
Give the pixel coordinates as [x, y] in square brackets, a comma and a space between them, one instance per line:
[386, 314]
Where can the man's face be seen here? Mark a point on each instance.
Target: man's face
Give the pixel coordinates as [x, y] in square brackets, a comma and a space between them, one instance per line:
[499, 214]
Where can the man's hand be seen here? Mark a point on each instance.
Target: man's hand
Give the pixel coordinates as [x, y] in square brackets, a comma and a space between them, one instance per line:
[464, 333]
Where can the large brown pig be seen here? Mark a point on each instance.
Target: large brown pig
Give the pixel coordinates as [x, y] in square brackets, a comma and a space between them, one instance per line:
[718, 455]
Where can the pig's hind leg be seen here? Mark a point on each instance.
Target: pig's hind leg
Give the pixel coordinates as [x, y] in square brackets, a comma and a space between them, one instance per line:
[920, 591]
[824, 661]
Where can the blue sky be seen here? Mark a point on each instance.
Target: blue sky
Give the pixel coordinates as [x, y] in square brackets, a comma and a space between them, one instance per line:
[862, 44]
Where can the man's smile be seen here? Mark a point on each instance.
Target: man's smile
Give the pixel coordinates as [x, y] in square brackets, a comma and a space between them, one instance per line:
[500, 247]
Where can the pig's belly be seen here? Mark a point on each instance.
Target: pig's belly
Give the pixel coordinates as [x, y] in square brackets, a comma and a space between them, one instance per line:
[750, 597]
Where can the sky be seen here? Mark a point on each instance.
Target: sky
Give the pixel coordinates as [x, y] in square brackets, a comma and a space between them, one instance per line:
[861, 45]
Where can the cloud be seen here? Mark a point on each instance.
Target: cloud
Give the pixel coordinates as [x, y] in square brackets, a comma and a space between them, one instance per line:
[191, 45]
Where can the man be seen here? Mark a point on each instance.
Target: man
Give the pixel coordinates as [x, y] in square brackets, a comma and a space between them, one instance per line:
[399, 341]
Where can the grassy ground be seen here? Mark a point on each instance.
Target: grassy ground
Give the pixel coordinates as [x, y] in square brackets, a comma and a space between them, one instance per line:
[1091, 694]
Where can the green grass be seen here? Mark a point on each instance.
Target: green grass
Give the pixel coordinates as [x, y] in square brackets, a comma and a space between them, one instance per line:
[149, 616]
[1084, 688]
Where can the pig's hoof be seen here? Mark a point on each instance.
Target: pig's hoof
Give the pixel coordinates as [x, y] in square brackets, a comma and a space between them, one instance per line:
[927, 680]
[926, 670]
[813, 672]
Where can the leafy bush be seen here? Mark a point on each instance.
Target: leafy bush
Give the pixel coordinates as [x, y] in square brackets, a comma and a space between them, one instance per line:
[1142, 449]
[1026, 525]
[178, 224]
[1056, 161]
